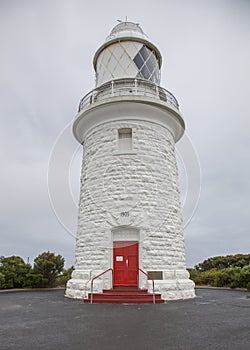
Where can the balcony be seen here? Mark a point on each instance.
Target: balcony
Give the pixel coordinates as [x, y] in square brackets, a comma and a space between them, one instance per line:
[128, 87]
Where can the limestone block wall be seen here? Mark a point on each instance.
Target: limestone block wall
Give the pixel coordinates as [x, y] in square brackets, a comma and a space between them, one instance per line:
[143, 183]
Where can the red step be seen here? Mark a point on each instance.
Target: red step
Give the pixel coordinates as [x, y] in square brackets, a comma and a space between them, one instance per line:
[124, 295]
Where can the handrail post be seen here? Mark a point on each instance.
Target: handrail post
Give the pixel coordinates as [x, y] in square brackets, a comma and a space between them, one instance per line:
[95, 277]
[153, 282]
[91, 291]
[112, 279]
[153, 291]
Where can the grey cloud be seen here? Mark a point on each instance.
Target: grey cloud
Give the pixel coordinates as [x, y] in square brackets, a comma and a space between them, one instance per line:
[46, 67]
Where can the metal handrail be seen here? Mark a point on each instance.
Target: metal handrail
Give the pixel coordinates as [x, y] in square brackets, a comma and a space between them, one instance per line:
[86, 284]
[153, 282]
[92, 282]
[128, 87]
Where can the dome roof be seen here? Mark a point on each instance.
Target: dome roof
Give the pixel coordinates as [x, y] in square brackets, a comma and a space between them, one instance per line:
[127, 29]
[131, 32]
[126, 26]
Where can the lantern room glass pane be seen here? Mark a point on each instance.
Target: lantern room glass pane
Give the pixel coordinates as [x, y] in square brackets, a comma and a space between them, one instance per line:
[147, 64]
[138, 61]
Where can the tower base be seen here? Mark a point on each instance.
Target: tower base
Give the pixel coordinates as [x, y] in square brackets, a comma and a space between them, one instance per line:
[176, 285]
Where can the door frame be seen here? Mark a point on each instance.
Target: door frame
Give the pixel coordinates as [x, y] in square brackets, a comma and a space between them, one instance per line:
[137, 266]
[125, 233]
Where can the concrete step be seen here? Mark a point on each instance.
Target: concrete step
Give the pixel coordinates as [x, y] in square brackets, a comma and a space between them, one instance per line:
[125, 292]
[126, 295]
[124, 301]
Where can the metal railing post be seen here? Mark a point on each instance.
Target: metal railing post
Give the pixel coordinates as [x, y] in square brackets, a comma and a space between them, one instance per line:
[153, 292]
[136, 86]
[153, 282]
[112, 279]
[112, 88]
[91, 291]
[157, 90]
[95, 277]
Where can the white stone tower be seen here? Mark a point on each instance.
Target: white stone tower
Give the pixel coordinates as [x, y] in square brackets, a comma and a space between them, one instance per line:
[129, 211]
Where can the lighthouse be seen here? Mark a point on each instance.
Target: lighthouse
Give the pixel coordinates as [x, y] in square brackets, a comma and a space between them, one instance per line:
[129, 235]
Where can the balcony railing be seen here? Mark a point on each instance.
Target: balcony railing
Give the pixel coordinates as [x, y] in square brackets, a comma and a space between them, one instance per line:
[128, 87]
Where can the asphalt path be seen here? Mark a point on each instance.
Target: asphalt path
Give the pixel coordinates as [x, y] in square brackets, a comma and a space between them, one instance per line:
[215, 319]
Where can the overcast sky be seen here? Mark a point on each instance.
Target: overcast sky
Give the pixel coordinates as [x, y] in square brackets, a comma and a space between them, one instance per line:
[46, 56]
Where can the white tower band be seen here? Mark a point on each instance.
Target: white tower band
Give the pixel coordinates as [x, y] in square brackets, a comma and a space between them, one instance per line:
[129, 212]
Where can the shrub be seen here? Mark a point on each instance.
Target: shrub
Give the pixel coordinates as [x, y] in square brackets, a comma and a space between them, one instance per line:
[64, 277]
[244, 277]
[203, 277]
[228, 277]
[35, 280]
[2, 280]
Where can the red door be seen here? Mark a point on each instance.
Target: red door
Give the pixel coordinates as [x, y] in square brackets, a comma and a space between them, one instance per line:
[125, 263]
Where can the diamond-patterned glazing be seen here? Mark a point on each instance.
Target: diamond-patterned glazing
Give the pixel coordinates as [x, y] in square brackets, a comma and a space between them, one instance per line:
[146, 62]
[127, 59]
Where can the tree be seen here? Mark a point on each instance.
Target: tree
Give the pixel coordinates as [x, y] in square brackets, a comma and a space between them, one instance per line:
[49, 266]
[223, 262]
[35, 280]
[223, 271]
[13, 272]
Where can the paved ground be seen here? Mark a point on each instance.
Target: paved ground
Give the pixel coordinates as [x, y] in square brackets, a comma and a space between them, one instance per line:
[216, 319]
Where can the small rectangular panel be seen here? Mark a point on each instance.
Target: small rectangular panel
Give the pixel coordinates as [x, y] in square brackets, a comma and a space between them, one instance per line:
[156, 275]
[119, 258]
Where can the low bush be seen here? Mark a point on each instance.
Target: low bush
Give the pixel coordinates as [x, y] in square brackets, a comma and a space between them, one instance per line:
[232, 277]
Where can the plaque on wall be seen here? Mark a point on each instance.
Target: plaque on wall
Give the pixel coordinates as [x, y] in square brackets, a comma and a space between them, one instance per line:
[156, 275]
